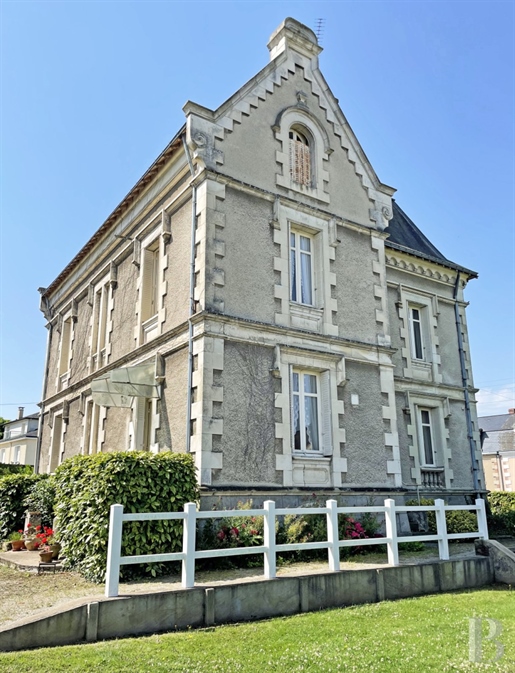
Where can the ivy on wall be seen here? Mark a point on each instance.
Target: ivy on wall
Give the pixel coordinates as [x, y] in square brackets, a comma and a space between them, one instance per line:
[14, 488]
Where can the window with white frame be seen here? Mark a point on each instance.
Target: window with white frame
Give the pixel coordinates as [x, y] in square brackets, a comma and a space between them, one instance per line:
[2, 455]
[300, 157]
[91, 443]
[57, 444]
[64, 357]
[17, 454]
[301, 268]
[100, 319]
[142, 430]
[426, 436]
[305, 410]
[416, 326]
[150, 290]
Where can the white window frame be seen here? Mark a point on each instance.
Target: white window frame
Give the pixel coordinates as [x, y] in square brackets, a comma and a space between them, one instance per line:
[2, 455]
[422, 424]
[65, 352]
[92, 428]
[425, 368]
[150, 288]
[56, 442]
[297, 254]
[100, 332]
[16, 454]
[301, 394]
[417, 328]
[143, 425]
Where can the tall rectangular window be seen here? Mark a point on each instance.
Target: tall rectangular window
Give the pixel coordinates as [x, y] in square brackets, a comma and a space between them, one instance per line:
[92, 426]
[427, 448]
[57, 443]
[17, 454]
[100, 335]
[301, 268]
[305, 411]
[64, 359]
[416, 331]
[150, 282]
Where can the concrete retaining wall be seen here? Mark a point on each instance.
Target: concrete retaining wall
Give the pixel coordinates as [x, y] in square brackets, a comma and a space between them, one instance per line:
[167, 611]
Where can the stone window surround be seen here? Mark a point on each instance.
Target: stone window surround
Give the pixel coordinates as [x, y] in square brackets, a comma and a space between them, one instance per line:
[155, 236]
[137, 425]
[427, 369]
[286, 358]
[105, 285]
[440, 410]
[63, 377]
[300, 118]
[318, 318]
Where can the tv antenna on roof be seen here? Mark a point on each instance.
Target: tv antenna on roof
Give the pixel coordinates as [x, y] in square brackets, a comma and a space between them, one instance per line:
[319, 30]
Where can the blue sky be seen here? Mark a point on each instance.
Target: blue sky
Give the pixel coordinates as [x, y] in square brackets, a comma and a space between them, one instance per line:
[91, 92]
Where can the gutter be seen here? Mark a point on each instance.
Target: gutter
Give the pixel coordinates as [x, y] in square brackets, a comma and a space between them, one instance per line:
[192, 295]
[464, 380]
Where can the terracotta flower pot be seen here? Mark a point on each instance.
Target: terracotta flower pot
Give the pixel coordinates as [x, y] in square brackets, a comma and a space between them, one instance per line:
[45, 556]
[17, 545]
[56, 548]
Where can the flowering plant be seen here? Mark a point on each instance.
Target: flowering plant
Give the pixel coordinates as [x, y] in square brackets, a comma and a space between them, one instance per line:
[45, 536]
[16, 536]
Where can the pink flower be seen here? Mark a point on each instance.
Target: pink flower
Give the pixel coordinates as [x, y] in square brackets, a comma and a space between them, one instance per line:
[220, 535]
[235, 531]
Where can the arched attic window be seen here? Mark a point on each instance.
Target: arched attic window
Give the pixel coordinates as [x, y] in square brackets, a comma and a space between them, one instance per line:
[300, 157]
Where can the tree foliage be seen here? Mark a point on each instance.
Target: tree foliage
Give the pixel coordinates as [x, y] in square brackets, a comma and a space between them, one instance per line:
[13, 490]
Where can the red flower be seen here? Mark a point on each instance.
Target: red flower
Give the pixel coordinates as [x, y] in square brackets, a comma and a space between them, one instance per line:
[235, 531]
[220, 535]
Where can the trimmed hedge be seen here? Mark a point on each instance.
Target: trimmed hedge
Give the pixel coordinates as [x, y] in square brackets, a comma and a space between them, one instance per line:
[15, 469]
[87, 486]
[13, 490]
[459, 521]
[502, 508]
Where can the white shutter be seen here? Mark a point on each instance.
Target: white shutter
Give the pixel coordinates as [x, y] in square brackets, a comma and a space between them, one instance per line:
[325, 414]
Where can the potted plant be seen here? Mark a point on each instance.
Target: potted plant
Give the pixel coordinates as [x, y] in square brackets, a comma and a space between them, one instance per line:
[45, 554]
[32, 542]
[16, 540]
[48, 541]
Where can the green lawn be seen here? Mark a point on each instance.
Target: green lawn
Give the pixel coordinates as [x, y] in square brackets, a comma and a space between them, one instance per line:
[418, 635]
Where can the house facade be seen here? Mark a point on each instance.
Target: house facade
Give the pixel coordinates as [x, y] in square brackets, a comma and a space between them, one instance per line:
[498, 450]
[18, 445]
[260, 300]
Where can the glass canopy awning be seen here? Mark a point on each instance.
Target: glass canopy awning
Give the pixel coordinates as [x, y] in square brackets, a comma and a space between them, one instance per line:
[119, 387]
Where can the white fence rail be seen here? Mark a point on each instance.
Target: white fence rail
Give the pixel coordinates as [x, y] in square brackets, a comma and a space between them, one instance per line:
[270, 548]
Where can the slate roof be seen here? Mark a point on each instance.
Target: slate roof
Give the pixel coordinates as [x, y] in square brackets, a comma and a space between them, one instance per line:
[498, 422]
[407, 237]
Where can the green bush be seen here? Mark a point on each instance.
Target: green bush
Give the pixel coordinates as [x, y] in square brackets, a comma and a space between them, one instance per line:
[247, 531]
[15, 469]
[459, 521]
[502, 512]
[13, 490]
[41, 498]
[87, 486]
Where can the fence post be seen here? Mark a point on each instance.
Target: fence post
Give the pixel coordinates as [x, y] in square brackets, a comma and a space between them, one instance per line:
[391, 532]
[114, 551]
[189, 531]
[333, 539]
[441, 529]
[269, 539]
[482, 524]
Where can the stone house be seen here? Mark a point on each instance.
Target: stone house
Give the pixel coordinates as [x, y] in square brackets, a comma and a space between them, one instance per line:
[259, 299]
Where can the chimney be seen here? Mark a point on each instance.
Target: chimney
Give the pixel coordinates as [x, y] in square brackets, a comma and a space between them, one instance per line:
[511, 411]
[20, 413]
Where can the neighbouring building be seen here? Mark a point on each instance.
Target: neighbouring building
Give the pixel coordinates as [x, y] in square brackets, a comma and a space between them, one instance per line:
[19, 443]
[259, 299]
[498, 444]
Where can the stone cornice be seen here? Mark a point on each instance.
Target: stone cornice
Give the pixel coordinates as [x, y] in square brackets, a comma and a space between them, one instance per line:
[405, 261]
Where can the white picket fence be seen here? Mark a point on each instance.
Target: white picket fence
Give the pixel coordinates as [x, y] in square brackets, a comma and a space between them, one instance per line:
[270, 548]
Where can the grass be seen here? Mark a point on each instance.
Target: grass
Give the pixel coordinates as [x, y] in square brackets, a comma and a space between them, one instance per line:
[418, 635]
